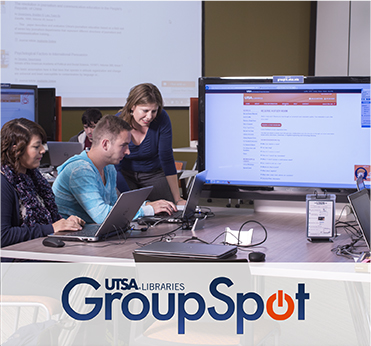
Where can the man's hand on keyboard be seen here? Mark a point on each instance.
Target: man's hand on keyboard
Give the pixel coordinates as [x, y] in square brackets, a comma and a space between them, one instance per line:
[163, 206]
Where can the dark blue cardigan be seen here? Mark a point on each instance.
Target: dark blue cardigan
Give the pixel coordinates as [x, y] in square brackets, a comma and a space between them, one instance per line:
[12, 231]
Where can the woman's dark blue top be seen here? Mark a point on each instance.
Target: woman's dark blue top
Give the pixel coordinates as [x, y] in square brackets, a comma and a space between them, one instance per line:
[156, 150]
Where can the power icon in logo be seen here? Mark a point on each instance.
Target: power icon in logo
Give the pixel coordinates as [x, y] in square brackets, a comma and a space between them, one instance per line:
[281, 296]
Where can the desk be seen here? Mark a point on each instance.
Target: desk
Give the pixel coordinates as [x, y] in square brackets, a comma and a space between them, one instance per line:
[286, 240]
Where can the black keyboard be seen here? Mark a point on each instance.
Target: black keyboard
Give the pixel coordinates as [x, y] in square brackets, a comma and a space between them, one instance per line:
[176, 215]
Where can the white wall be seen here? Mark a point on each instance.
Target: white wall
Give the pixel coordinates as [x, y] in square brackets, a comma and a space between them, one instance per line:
[343, 38]
[359, 58]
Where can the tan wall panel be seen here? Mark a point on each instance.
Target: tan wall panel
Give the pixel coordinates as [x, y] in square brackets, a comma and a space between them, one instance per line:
[248, 38]
[256, 38]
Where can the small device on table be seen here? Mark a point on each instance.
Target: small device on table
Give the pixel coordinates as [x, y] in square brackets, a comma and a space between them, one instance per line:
[320, 217]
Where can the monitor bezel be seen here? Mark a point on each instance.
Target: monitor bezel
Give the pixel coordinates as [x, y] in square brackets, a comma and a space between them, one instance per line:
[25, 86]
[260, 80]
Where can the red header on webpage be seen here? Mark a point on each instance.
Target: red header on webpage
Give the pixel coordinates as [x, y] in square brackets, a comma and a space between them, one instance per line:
[277, 99]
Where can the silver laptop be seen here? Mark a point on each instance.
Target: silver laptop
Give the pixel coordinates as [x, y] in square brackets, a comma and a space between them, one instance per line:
[190, 207]
[117, 221]
[360, 202]
[59, 152]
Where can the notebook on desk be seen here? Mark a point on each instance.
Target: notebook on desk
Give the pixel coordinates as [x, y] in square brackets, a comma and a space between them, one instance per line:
[117, 221]
[59, 152]
[190, 207]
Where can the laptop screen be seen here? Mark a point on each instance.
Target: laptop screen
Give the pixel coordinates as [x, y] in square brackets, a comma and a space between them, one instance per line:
[194, 195]
[360, 202]
[59, 152]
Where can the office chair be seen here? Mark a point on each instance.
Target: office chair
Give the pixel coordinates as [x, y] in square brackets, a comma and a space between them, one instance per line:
[180, 167]
[165, 333]
[206, 332]
[29, 309]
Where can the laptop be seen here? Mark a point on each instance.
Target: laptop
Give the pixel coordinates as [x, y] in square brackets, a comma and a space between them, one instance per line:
[189, 208]
[117, 221]
[360, 202]
[59, 152]
[176, 250]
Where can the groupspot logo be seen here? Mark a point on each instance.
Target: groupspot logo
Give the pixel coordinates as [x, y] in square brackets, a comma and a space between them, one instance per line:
[176, 303]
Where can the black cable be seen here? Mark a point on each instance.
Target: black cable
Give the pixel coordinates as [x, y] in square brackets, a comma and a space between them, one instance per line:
[218, 237]
[167, 237]
[353, 232]
[239, 232]
[126, 235]
[209, 213]
[347, 250]
[251, 245]
[154, 236]
[341, 213]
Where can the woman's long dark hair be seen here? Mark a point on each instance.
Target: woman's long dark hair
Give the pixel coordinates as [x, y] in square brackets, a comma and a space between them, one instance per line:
[16, 134]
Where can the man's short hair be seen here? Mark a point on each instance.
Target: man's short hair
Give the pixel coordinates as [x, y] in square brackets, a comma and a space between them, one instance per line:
[91, 116]
[110, 126]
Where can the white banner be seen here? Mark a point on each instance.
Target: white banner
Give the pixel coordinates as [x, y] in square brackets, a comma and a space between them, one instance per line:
[185, 303]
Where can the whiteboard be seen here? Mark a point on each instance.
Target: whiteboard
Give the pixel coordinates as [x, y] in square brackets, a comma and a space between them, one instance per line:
[93, 52]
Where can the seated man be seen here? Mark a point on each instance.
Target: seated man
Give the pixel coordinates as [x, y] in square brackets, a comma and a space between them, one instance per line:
[89, 120]
[86, 183]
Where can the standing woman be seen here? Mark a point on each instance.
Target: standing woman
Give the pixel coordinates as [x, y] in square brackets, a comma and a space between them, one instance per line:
[28, 209]
[151, 160]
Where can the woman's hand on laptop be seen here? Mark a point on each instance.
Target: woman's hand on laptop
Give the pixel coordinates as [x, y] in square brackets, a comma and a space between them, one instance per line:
[162, 206]
[73, 223]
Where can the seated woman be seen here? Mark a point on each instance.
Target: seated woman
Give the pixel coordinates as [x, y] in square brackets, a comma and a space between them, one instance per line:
[151, 160]
[28, 209]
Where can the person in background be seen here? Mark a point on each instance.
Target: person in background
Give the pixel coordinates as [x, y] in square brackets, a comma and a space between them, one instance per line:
[28, 208]
[151, 160]
[89, 120]
[86, 183]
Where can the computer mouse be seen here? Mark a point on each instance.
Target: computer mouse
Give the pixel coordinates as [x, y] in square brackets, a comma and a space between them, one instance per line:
[256, 256]
[53, 242]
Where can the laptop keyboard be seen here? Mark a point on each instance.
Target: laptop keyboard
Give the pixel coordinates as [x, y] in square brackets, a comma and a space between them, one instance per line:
[88, 230]
[162, 217]
[176, 215]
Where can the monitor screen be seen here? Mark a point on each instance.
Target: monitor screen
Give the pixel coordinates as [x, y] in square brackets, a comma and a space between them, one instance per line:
[285, 131]
[18, 101]
[94, 52]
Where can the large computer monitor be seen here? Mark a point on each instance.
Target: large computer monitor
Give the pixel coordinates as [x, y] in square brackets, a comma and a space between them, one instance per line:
[310, 132]
[18, 101]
